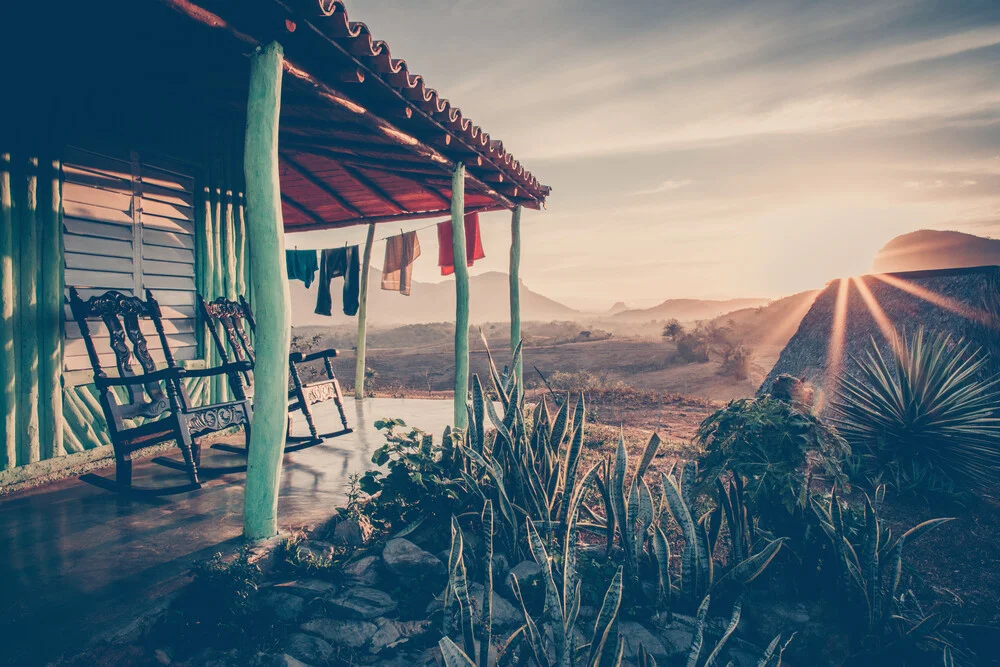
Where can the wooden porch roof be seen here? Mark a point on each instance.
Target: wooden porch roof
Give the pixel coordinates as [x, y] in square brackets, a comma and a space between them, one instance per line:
[362, 138]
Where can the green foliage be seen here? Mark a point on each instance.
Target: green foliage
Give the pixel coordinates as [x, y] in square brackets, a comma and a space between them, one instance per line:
[870, 568]
[692, 348]
[736, 361]
[420, 477]
[672, 329]
[776, 446]
[927, 419]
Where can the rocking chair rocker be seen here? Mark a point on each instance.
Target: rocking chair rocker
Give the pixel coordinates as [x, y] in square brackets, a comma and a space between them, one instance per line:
[231, 315]
[156, 399]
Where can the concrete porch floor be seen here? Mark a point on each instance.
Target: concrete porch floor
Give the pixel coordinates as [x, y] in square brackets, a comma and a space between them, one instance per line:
[77, 560]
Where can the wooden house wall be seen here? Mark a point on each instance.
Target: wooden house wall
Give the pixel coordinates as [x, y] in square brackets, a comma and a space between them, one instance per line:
[119, 221]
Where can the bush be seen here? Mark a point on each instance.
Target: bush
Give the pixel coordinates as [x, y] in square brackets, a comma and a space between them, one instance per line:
[925, 420]
[692, 348]
[736, 360]
[672, 329]
[775, 445]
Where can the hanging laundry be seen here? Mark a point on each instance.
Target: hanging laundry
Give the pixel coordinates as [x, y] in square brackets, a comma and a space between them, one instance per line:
[473, 244]
[400, 251]
[301, 265]
[336, 263]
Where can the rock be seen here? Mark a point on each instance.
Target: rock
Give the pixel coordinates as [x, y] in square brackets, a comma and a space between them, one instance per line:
[363, 602]
[316, 550]
[411, 563]
[677, 634]
[392, 633]
[162, 657]
[363, 570]
[348, 533]
[636, 635]
[308, 588]
[343, 632]
[284, 605]
[527, 572]
[505, 615]
[276, 660]
[308, 649]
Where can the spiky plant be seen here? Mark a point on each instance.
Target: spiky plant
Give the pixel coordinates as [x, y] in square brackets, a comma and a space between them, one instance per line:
[871, 572]
[929, 416]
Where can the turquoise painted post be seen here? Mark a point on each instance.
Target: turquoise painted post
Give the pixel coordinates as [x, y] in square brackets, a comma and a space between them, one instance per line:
[362, 344]
[515, 287]
[50, 308]
[8, 311]
[269, 283]
[461, 295]
[27, 291]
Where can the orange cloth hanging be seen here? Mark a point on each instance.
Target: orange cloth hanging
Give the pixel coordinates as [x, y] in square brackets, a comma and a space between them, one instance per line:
[473, 244]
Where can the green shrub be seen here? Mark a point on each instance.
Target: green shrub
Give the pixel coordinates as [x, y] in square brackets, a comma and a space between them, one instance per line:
[692, 348]
[736, 361]
[927, 419]
[776, 446]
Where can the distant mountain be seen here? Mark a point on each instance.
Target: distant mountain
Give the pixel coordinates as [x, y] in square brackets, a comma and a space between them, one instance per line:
[618, 308]
[431, 302]
[930, 249]
[773, 324]
[687, 310]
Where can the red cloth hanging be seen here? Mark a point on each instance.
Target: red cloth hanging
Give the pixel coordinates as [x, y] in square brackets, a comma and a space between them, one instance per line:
[473, 244]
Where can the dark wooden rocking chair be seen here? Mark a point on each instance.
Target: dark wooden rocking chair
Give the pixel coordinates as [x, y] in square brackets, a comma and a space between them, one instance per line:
[157, 396]
[231, 315]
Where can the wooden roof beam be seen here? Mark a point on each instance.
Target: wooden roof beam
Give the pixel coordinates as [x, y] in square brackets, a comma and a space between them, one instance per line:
[319, 185]
[302, 209]
[372, 187]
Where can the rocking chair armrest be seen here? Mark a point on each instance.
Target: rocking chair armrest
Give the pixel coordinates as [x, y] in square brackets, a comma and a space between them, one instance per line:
[233, 366]
[299, 358]
[145, 378]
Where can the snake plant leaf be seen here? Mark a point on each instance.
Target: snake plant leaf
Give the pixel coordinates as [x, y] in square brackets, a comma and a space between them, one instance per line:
[534, 637]
[560, 424]
[604, 484]
[477, 431]
[580, 412]
[745, 572]
[896, 554]
[770, 653]
[486, 638]
[553, 608]
[645, 659]
[499, 424]
[617, 488]
[452, 655]
[730, 629]
[605, 619]
[661, 550]
[690, 567]
[494, 374]
[698, 640]
[648, 455]
[572, 461]
[688, 482]
[870, 562]
[644, 518]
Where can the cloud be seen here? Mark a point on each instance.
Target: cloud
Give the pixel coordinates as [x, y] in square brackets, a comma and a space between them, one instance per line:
[665, 186]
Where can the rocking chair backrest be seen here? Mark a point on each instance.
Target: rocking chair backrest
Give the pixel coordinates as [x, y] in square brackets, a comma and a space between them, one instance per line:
[122, 315]
[231, 315]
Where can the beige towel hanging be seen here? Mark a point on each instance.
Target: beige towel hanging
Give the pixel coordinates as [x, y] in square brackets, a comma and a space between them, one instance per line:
[400, 251]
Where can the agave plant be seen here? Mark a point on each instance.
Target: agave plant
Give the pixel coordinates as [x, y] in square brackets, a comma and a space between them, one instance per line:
[928, 414]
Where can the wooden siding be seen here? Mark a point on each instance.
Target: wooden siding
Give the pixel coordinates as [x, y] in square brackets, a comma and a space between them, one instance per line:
[129, 225]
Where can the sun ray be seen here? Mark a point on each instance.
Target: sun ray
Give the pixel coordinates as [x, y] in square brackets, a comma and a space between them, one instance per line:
[938, 300]
[838, 330]
[884, 325]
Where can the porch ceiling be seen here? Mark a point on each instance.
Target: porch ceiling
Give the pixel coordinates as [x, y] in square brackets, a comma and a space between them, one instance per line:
[363, 139]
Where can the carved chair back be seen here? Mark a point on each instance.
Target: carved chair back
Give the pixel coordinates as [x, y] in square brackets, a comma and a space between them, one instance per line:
[231, 315]
[122, 316]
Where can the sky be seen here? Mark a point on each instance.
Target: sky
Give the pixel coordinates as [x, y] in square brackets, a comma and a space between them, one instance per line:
[713, 149]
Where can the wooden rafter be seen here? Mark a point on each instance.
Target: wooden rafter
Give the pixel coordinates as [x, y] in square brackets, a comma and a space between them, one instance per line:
[302, 209]
[320, 185]
[372, 187]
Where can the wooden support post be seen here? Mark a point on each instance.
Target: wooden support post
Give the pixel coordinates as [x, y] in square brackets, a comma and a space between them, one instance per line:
[461, 296]
[515, 288]
[27, 291]
[269, 282]
[8, 310]
[362, 347]
[50, 319]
